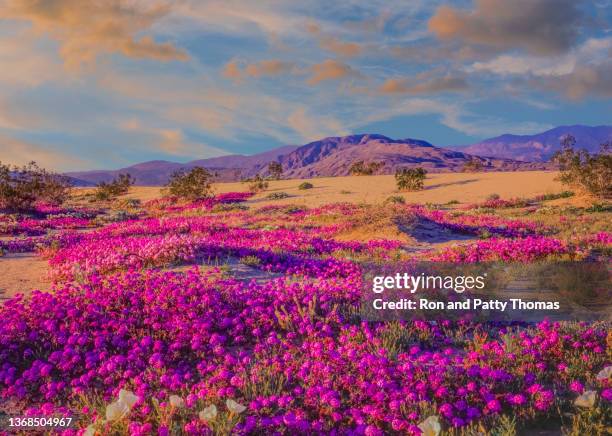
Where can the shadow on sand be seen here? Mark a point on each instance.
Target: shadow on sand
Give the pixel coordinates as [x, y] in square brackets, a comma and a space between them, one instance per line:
[442, 185]
[427, 231]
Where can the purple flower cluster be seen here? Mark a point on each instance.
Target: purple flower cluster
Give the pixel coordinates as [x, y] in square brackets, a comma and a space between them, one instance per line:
[200, 352]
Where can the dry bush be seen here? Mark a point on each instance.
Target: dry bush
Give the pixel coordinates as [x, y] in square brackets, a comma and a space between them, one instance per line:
[21, 187]
[305, 185]
[190, 185]
[120, 185]
[410, 179]
[276, 170]
[360, 168]
[472, 166]
[591, 173]
[258, 184]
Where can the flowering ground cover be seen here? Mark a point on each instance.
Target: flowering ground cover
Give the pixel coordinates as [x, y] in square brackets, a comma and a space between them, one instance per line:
[129, 345]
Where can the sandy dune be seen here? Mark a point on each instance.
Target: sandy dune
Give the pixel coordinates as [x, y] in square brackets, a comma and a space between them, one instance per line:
[439, 188]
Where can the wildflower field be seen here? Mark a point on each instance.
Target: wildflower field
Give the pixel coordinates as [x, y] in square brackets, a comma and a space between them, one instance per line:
[219, 317]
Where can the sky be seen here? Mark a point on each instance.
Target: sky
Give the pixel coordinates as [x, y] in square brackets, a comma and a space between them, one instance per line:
[109, 83]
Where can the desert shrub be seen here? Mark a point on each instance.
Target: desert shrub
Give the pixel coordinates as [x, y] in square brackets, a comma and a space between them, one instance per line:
[547, 197]
[258, 184]
[250, 260]
[22, 187]
[115, 216]
[591, 173]
[130, 205]
[276, 170]
[305, 185]
[360, 168]
[395, 199]
[277, 196]
[493, 197]
[120, 185]
[599, 207]
[229, 207]
[452, 202]
[473, 165]
[410, 179]
[485, 234]
[192, 185]
[344, 191]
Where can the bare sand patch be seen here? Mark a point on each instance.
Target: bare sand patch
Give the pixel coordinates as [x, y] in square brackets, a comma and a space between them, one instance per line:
[22, 273]
[439, 188]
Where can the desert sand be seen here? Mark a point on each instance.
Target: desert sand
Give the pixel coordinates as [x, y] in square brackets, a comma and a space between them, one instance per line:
[21, 274]
[439, 188]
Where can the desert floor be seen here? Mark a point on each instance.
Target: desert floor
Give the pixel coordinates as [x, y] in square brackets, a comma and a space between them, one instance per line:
[22, 273]
[439, 188]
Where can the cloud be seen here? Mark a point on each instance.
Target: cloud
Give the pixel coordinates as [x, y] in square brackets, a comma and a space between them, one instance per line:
[544, 27]
[593, 51]
[18, 152]
[330, 69]
[311, 128]
[334, 44]
[447, 83]
[428, 52]
[170, 140]
[508, 64]
[86, 29]
[341, 48]
[585, 71]
[232, 70]
[24, 64]
[237, 17]
[270, 67]
[585, 80]
[455, 116]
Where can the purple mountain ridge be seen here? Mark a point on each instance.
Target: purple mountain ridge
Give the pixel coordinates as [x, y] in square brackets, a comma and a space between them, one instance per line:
[541, 147]
[334, 156]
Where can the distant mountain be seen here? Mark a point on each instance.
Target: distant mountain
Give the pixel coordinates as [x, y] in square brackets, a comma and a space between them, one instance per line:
[157, 172]
[328, 157]
[334, 156]
[540, 147]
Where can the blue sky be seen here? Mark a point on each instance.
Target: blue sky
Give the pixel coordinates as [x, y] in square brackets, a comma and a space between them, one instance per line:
[106, 84]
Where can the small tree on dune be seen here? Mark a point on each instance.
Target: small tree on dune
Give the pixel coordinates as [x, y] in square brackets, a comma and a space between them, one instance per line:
[276, 170]
[591, 173]
[410, 179]
[190, 185]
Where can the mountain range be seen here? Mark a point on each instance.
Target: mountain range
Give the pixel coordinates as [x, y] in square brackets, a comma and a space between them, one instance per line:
[334, 156]
[541, 147]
